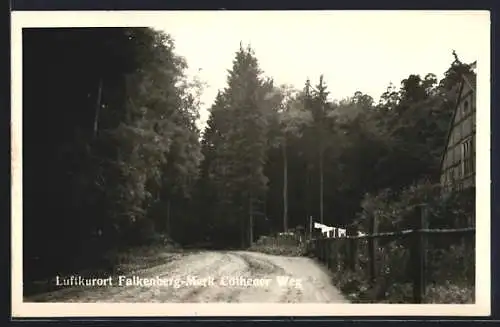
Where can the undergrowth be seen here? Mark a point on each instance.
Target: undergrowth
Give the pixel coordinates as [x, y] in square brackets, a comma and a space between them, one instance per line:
[275, 246]
[112, 262]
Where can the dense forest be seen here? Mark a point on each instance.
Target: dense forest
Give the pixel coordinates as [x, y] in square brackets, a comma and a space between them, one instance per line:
[113, 157]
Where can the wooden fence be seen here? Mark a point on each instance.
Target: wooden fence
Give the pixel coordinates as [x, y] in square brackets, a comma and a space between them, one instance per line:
[370, 253]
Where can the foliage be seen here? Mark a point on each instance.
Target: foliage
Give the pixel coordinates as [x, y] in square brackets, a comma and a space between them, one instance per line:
[114, 158]
[450, 259]
[121, 139]
[280, 245]
[235, 144]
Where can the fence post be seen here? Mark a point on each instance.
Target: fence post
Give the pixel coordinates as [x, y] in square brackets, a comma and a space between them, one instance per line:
[418, 253]
[325, 248]
[336, 245]
[322, 249]
[310, 227]
[342, 254]
[351, 243]
[330, 251]
[371, 248]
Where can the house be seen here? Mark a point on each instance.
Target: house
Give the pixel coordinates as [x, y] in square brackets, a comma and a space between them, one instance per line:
[458, 161]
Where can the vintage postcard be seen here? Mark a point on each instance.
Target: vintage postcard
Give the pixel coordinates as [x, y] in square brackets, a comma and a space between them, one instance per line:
[264, 163]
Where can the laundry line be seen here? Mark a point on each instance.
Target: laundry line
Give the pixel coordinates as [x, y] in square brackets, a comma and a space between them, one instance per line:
[333, 232]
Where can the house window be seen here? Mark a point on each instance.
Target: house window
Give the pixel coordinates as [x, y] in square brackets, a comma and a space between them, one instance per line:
[467, 167]
[466, 107]
[450, 176]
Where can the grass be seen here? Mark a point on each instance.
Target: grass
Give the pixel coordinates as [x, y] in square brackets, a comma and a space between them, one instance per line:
[274, 246]
[284, 250]
[450, 293]
[449, 274]
[114, 263]
[357, 289]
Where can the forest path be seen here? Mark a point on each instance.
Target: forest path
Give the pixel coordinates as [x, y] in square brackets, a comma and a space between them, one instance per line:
[211, 276]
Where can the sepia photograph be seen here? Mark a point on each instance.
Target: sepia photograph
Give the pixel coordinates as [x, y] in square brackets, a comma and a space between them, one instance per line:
[227, 163]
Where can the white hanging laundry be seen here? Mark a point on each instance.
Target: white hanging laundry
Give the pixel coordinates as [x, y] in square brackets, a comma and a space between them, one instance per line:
[326, 230]
[331, 232]
[318, 225]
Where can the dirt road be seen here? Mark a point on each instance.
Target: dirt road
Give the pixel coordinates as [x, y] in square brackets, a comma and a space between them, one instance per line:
[208, 277]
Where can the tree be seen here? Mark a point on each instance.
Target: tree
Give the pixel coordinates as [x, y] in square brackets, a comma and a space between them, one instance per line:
[121, 124]
[319, 109]
[238, 134]
[289, 119]
[122, 163]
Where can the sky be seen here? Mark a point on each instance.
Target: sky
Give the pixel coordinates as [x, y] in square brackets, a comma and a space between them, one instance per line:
[354, 50]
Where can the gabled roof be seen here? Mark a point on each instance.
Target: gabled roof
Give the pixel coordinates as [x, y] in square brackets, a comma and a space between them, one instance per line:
[470, 79]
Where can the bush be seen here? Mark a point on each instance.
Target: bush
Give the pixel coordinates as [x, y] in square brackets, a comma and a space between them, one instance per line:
[450, 293]
[450, 258]
[354, 285]
[279, 246]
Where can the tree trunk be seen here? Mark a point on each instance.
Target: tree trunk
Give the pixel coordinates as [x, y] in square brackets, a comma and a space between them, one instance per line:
[168, 217]
[285, 189]
[307, 192]
[98, 107]
[243, 236]
[250, 228]
[321, 186]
